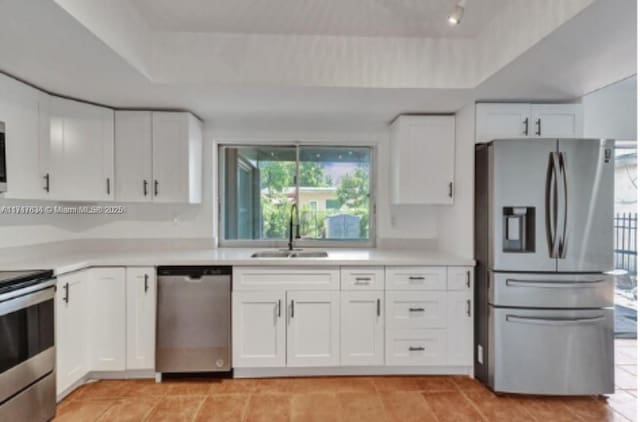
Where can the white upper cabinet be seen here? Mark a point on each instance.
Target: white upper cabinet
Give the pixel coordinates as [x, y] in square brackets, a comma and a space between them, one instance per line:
[557, 120]
[513, 120]
[80, 151]
[422, 160]
[133, 156]
[177, 157]
[497, 121]
[20, 111]
[158, 157]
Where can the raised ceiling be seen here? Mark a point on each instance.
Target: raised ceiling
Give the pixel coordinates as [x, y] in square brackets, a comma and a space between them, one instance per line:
[388, 18]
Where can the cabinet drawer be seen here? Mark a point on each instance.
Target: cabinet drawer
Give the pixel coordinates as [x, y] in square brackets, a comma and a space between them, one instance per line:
[279, 278]
[416, 309]
[416, 278]
[459, 278]
[362, 278]
[416, 347]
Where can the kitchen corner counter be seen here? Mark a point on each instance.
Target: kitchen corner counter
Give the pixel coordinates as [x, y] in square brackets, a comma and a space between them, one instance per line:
[69, 262]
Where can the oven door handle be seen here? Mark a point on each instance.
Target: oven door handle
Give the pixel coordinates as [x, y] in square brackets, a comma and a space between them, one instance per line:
[24, 301]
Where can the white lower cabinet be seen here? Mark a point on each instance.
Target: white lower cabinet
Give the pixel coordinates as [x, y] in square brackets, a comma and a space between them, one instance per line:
[106, 319]
[313, 328]
[459, 328]
[141, 294]
[361, 328]
[70, 329]
[258, 322]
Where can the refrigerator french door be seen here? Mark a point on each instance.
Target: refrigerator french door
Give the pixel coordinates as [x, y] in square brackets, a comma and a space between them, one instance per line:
[544, 316]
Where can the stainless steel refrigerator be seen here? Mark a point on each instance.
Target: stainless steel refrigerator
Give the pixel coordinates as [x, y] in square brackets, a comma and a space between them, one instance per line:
[543, 242]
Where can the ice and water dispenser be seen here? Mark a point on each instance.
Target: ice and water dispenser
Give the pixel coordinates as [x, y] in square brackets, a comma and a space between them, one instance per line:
[518, 229]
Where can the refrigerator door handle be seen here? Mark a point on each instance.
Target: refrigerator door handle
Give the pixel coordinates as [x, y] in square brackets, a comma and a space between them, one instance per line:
[553, 321]
[562, 160]
[551, 206]
[553, 284]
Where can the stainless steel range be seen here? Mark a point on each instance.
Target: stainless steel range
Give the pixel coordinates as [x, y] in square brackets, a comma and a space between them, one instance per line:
[27, 349]
[544, 246]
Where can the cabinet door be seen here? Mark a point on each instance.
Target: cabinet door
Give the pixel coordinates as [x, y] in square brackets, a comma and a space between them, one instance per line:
[106, 319]
[459, 328]
[70, 329]
[459, 278]
[503, 121]
[556, 120]
[141, 292]
[82, 149]
[361, 328]
[313, 328]
[177, 157]
[133, 156]
[19, 111]
[422, 164]
[258, 329]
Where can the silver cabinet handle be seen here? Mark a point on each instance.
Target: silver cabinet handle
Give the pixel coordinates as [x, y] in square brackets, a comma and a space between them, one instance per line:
[108, 186]
[416, 348]
[539, 127]
[416, 309]
[363, 278]
[416, 278]
[469, 307]
[46, 182]
[146, 283]
[450, 189]
[145, 187]
[279, 308]
[65, 298]
[292, 310]
[553, 321]
[469, 278]
[155, 188]
[378, 307]
[526, 127]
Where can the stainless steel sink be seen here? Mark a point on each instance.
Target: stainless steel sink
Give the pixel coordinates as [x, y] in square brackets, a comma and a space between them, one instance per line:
[290, 254]
[271, 254]
[310, 254]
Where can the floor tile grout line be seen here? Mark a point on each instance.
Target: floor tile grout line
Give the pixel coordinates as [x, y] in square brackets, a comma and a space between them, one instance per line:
[195, 414]
[477, 409]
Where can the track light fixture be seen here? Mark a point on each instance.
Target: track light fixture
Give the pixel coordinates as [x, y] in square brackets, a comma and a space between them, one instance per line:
[455, 17]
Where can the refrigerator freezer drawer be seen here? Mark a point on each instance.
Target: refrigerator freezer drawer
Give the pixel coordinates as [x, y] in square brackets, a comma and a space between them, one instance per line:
[555, 352]
[530, 290]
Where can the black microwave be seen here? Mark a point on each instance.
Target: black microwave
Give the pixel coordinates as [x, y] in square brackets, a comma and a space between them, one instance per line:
[3, 159]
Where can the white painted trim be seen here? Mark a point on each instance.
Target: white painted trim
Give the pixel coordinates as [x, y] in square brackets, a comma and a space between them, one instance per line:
[351, 370]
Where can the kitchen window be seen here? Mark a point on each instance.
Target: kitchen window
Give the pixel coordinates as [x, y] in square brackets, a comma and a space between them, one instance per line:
[332, 186]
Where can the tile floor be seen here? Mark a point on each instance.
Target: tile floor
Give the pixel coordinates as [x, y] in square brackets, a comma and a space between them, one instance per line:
[348, 399]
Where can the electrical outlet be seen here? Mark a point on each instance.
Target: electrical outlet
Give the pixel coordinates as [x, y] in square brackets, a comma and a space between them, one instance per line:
[480, 355]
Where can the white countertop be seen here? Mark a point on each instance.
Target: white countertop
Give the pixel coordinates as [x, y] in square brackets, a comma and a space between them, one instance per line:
[64, 263]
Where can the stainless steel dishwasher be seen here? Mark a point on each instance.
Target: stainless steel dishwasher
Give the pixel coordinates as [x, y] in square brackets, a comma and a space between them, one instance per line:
[194, 319]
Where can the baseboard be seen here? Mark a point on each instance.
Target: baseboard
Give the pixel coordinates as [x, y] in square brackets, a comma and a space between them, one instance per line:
[351, 371]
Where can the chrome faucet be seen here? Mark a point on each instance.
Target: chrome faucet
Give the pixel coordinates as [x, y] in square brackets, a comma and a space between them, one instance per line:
[293, 207]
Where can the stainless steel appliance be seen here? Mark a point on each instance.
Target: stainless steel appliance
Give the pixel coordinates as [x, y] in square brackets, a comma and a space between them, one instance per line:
[3, 159]
[27, 350]
[543, 243]
[194, 319]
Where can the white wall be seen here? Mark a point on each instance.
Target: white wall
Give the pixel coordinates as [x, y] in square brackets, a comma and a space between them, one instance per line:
[611, 112]
[455, 224]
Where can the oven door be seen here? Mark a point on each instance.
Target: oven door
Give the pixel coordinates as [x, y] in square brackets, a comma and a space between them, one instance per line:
[27, 351]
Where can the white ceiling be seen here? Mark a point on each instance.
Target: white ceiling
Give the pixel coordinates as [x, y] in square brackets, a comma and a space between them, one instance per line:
[44, 44]
[390, 18]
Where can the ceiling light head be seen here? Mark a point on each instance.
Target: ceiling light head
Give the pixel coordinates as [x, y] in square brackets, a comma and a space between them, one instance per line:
[455, 17]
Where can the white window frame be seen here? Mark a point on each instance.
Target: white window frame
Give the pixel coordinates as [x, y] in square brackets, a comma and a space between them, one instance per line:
[303, 243]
